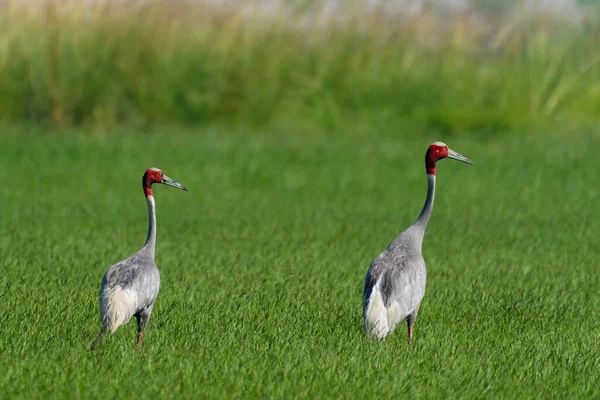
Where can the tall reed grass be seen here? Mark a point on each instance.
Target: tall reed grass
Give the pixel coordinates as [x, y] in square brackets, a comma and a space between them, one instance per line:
[101, 63]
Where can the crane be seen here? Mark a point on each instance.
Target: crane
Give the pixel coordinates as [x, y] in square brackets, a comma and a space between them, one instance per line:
[130, 287]
[395, 281]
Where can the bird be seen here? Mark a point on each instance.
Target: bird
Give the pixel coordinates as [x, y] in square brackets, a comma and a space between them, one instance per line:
[129, 287]
[395, 283]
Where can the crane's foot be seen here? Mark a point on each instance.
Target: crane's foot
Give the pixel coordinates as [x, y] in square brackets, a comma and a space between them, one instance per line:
[98, 339]
[139, 340]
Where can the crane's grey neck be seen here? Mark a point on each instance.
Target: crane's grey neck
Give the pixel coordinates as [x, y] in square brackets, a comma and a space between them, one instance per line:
[151, 239]
[421, 223]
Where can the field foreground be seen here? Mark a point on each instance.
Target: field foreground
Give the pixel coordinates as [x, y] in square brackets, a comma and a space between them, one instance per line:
[263, 261]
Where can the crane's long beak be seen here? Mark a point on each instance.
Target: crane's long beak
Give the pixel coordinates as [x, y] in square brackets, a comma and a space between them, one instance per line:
[168, 181]
[454, 155]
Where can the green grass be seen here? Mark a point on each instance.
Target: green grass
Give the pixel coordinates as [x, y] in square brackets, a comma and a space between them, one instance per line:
[479, 70]
[263, 261]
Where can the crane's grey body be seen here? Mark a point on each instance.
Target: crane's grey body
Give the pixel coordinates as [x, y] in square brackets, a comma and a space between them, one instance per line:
[395, 281]
[129, 288]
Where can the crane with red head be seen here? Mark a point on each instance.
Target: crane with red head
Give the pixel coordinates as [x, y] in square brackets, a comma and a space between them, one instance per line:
[129, 288]
[395, 282]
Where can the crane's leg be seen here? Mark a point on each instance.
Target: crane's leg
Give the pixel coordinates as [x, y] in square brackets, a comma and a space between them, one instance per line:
[98, 339]
[142, 320]
[411, 319]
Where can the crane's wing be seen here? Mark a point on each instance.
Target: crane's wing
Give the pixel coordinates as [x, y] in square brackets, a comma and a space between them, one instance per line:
[132, 272]
[390, 273]
[404, 284]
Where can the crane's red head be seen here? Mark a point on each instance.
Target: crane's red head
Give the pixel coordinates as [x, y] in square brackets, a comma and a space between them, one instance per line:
[155, 175]
[438, 151]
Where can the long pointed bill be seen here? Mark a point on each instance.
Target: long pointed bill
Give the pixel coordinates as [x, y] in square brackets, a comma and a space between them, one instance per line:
[454, 155]
[168, 181]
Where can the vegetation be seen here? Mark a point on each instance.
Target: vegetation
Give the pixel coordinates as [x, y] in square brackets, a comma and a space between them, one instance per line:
[263, 261]
[482, 69]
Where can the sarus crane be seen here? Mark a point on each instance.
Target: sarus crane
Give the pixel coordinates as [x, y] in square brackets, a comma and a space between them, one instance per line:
[130, 287]
[395, 281]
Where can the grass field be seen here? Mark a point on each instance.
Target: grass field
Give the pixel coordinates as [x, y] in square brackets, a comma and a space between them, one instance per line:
[263, 262]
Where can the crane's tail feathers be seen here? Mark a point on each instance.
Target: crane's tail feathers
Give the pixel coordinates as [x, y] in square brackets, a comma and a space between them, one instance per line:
[116, 308]
[376, 318]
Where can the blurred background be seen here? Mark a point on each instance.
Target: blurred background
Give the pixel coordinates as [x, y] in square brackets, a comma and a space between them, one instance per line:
[448, 66]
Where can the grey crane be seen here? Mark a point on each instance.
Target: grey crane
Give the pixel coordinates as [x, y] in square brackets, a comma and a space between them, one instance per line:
[130, 287]
[395, 281]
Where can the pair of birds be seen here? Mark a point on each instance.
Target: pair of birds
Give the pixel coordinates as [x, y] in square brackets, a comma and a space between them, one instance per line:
[393, 289]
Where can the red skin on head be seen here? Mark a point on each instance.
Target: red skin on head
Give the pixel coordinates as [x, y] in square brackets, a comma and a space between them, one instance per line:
[434, 153]
[151, 176]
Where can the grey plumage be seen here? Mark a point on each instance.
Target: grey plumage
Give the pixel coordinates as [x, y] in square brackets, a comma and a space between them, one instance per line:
[129, 287]
[138, 277]
[395, 283]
